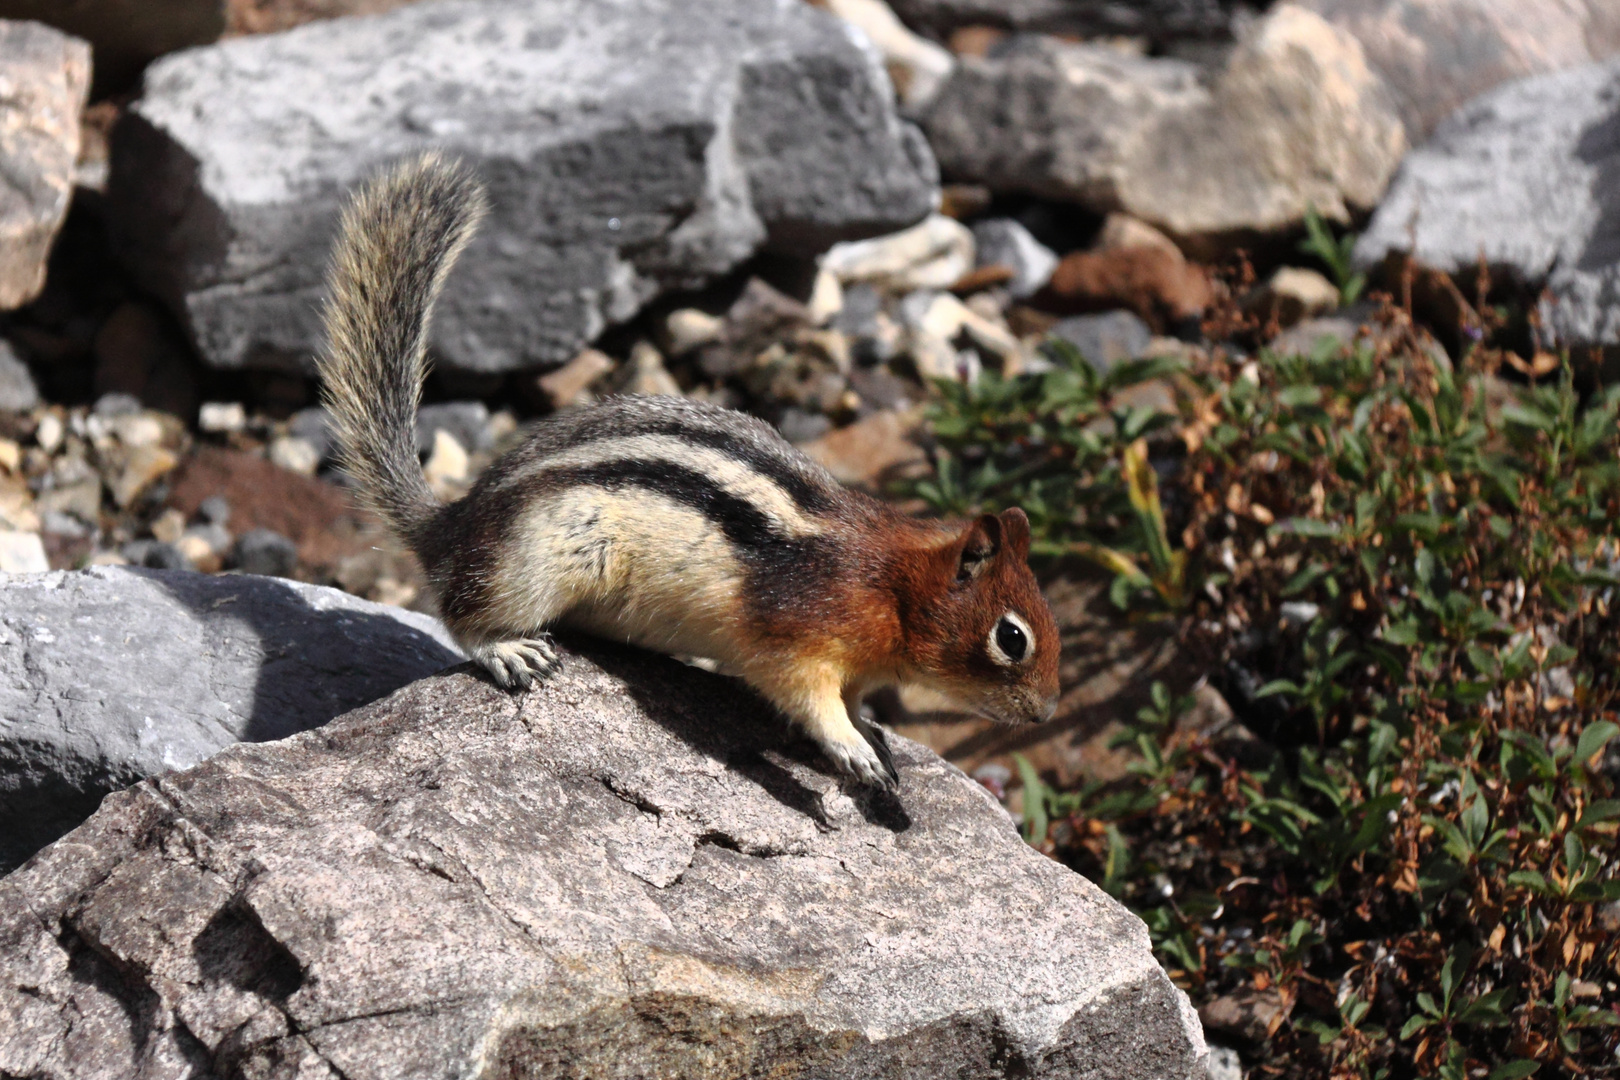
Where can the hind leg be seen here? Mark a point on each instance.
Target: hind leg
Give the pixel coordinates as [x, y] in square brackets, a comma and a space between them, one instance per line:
[509, 642]
[517, 663]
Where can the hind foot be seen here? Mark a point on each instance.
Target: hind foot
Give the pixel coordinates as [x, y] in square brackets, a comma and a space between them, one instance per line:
[517, 663]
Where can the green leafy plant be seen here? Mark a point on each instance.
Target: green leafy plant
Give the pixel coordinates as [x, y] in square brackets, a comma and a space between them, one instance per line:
[1422, 593]
[1335, 254]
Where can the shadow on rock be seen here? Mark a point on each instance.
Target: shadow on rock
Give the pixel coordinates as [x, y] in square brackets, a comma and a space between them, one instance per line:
[687, 702]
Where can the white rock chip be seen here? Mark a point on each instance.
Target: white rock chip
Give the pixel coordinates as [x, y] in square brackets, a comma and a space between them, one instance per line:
[295, 455]
[932, 255]
[221, 417]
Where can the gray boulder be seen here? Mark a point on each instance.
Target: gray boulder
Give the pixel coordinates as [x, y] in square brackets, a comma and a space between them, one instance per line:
[1528, 176]
[46, 78]
[1295, 119]
[629, 148]
[1435, 55]
[629, 872]
[111, 674]
[1159, 19]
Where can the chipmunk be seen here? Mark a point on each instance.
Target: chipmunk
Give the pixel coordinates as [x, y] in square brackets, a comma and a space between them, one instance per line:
[667, 523]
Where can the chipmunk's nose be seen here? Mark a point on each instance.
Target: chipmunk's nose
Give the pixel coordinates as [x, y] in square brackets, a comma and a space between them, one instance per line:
[1048, 710]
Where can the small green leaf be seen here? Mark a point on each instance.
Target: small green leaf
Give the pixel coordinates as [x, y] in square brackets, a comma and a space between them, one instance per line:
[1277, 686]
[1595, 738]
[1414, 1025]
[1515, 1070]
[1599, 810]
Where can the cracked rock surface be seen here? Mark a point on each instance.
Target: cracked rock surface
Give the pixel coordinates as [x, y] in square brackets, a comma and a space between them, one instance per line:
[112, 674]
[632, 871]
[628, 148]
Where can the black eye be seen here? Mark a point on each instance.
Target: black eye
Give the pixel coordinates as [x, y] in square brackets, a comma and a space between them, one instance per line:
[1011, 639]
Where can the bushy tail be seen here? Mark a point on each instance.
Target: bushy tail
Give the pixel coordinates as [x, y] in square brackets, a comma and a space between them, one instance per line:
[400, 236]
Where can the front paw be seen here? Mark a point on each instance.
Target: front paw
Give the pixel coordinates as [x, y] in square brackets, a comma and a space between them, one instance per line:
[516, 664]
[861, 760]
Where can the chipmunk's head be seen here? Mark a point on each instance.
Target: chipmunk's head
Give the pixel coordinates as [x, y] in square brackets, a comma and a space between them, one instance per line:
[985, 637]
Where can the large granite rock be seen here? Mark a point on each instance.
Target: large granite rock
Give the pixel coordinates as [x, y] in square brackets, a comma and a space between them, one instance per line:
[1437, 54]
[1295, 119]
[629, 148]
[1529, 177]
[627, 873]
[1158, 19]
[109, 675]
[44, 80]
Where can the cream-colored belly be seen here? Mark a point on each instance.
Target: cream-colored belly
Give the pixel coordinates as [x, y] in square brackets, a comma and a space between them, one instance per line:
[629, 565]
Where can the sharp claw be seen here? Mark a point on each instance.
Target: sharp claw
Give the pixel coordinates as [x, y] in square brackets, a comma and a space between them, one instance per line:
[517, 664]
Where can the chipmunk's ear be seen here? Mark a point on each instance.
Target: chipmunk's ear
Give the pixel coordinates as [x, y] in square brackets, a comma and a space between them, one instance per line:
[1015, 532]
[979, 544]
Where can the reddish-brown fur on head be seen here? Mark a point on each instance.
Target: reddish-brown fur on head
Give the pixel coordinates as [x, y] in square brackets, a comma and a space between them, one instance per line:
[963, 595]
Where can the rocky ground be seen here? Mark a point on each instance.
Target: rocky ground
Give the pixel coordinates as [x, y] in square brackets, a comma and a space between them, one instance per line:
[815, 216]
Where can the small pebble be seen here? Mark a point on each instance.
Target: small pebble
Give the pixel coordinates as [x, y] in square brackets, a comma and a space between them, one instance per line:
[295, 455]
[569, 384]
[221, 417]
[113, 405]
[265, 552]
[215, 510]
[197, 550]
[826, 298]
[144, 466]
[689, 328]
[216, 538]
[468, 421]
[802, 426]
[155, 555]
[48, 433]
[169, 526]
[314, 426]
[135, 430]
[448, 462]
[647, 374]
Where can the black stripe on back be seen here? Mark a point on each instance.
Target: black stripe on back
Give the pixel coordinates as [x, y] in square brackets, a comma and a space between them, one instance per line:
[743, 523]
[806, 494]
